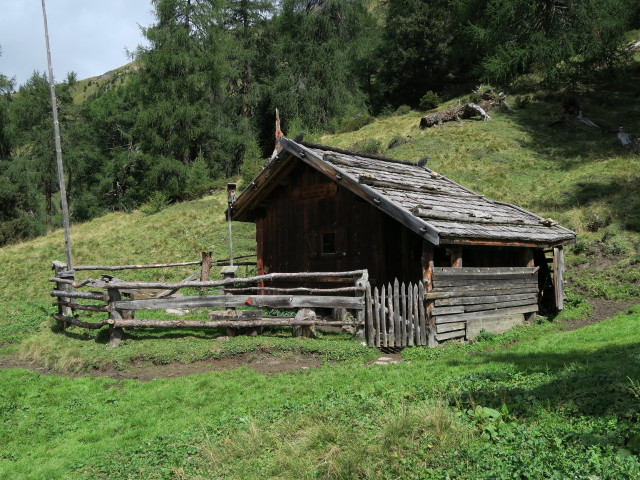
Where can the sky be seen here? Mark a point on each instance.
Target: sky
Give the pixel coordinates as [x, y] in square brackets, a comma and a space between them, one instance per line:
[89, 37]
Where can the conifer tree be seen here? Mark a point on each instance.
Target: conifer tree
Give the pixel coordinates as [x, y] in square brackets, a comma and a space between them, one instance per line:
[565, 41]
[416, 50]
[182, 92]
[313, 72]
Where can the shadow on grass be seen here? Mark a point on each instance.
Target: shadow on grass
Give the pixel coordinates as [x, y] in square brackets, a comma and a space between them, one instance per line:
[593, 382]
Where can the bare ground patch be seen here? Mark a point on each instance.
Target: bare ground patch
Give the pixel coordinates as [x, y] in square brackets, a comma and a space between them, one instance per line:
[262, 362]
[601, 309]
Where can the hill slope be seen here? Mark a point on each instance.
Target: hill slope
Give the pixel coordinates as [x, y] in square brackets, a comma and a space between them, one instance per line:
[536, 403]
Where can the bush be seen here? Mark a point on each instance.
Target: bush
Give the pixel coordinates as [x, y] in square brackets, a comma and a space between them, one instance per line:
[485, 336]
[402, 110]
[157, 202]
[398, 140]
[521, 101]
[595, 220]
[430, 100]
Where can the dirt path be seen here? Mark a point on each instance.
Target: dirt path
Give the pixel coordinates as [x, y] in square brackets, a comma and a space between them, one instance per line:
[260, 362]
[601, 309]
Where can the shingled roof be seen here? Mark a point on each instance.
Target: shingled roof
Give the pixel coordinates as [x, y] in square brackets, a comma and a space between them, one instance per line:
[426, 202]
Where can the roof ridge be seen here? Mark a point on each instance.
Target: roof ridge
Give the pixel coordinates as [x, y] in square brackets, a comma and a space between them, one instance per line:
[358, 154]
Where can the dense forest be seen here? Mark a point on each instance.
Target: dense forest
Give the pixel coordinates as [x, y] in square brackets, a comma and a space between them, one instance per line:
[197, 104]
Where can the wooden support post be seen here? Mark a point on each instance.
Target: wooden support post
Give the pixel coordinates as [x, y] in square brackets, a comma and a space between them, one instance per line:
[369, 313]
[115, 333]
[529, 261]
[362, 282]
[230, 272]
[206, 266]
[427, 280]
[456, 256]
[60, 270]
[558, 276]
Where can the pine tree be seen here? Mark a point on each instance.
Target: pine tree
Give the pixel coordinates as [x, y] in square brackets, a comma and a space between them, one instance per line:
[565, 41]
[32, 130]
[416, 50]
[182, 90]
[313, 73]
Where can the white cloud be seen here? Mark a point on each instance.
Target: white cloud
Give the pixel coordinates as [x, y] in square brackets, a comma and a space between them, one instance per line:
[89, 37]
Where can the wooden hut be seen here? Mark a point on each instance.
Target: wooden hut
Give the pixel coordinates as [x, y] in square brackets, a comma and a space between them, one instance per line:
[319, 208]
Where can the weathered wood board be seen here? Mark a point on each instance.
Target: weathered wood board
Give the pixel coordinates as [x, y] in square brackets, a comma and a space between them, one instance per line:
[499, 323]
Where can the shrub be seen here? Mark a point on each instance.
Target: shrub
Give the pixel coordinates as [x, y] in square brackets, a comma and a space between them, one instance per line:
[353, 123]
[402, 110]
[430, 100]
[521, 101]
[485, 336]
[157, 202]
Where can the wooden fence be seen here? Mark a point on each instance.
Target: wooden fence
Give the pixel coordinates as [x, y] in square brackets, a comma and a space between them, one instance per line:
[462, 303]
[119, 300]
[469, 300]
[397, 316]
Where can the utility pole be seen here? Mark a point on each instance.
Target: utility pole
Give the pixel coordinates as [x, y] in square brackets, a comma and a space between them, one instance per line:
[56, 129]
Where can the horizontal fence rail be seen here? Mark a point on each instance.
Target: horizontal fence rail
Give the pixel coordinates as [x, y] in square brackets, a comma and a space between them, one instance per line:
[122, 299]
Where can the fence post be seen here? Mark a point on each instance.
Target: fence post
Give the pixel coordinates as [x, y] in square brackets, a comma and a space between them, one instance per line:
[115, 333]
[206, 266]
[362, 281]
[60, 271]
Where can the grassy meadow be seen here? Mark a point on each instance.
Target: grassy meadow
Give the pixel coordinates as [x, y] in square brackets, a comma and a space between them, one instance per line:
[541, 401]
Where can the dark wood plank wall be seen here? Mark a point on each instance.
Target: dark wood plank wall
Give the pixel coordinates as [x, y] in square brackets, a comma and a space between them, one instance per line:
[291, 232]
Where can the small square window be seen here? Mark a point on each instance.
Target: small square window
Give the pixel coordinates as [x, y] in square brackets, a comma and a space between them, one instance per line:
[328, 243]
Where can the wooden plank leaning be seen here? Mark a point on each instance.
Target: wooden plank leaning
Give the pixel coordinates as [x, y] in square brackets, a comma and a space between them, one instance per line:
[369, 314]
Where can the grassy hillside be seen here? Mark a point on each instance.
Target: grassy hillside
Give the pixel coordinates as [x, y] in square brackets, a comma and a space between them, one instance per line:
[93, 87]
[537, 402]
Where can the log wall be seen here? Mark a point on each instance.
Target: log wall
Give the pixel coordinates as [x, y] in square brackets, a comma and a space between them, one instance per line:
[466, 301]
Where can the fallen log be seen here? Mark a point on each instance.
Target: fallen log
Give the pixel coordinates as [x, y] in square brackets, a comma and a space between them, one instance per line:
[459, 112]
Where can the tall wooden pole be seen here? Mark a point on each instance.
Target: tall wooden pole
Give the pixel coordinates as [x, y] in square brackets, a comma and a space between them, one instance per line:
[56, 129]
[231, 199]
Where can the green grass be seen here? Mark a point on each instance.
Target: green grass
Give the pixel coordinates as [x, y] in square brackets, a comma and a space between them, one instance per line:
[536, 402]
[552, 405]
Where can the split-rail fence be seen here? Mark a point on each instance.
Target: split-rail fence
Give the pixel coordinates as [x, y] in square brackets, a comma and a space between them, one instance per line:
[454, 303]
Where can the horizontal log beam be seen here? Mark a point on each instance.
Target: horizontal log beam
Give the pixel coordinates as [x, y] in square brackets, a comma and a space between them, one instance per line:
[449, 335]
[86, 295]
[79, 323]
[227, 281]
[269, 301]
[489, 313]
[87, 308]
[296, 289]
[497, 306]
[456, 292]
[112, 268]
[444, 283]
[225, 323]
[532, 297]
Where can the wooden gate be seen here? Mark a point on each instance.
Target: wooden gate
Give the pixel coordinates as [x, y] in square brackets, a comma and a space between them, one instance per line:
[396, 315]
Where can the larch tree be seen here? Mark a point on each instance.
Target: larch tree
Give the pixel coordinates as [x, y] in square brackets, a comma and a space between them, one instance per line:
[182, 92]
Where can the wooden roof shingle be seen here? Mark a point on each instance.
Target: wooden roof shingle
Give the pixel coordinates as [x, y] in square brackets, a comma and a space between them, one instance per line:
[426, 202]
